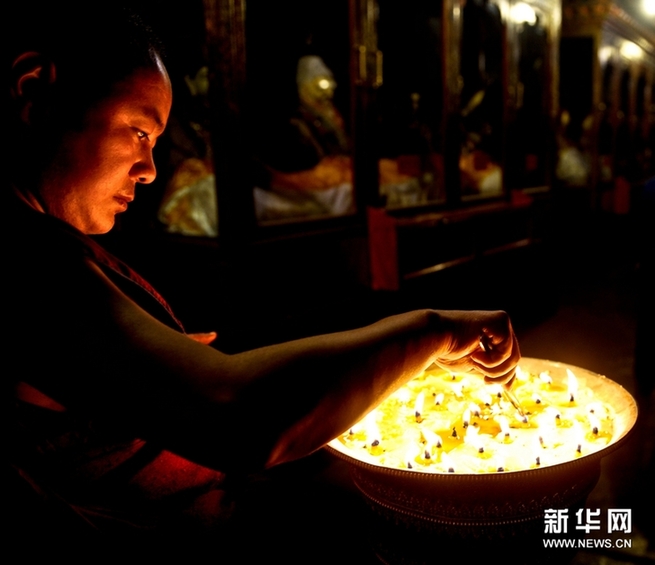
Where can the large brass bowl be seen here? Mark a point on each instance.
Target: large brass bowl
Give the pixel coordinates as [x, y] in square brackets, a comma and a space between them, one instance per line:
[484, 510]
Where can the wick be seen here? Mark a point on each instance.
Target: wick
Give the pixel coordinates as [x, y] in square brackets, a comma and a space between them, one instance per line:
[538, 401]
[538, 461]
[451, 470]
[454, 432]
[427, 454]
[465, 424]
[481, 450]
[439, 444]
[351, 432]
[375, 443]
[541, 441]
[524, 419]
[579, 450]
[500, 469]
[409, 465]
[572, 398]
[595, 430]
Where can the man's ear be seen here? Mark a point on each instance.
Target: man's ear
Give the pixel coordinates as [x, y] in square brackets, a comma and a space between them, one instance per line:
[31, 76]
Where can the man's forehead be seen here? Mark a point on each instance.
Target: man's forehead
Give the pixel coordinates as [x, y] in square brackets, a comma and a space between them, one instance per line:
[148, 93]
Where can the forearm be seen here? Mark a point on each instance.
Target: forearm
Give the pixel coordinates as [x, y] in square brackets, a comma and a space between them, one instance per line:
[278, 403]
[315, 388]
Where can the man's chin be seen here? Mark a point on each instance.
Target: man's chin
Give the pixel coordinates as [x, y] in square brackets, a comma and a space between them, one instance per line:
[100, 229]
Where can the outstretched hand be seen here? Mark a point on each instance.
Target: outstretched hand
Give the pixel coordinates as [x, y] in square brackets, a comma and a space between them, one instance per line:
[480, 342]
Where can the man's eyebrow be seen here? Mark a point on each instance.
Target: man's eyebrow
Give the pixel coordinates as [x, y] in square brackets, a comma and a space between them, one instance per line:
[154, 115]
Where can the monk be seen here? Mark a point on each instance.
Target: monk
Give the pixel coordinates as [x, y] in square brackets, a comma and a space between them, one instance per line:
[118, 418]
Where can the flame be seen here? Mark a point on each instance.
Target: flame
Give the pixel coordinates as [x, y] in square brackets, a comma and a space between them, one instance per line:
[371, 429]
[495, 390]
[431, 439]
[473, 438]
[578, 437]
[572, 384]
[418, 405]
[411, 455]
[520, 374]
[403, 395]
[448, 462]
[485, 398]
[503, 422]
[594, 422]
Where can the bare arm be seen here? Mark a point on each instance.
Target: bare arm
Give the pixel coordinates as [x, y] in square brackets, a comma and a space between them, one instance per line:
[265, 406]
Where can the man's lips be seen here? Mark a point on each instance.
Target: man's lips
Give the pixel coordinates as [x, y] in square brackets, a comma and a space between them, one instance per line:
[124, 200]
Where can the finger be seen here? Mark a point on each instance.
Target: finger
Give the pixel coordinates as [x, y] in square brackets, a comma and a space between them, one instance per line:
[204, 338]
[491, 359]
[457, 366]
[498, 367]
[495, 356]
[506, 380]
[498, 331]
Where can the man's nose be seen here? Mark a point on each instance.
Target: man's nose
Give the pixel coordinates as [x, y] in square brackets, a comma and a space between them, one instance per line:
[143, 171]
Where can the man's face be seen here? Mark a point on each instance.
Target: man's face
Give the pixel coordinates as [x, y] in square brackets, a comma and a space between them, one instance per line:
[95, 171]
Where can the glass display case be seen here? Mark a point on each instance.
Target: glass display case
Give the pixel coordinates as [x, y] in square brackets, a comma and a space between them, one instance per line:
[297, 110]
[482, 99]
[606, 89]
[532, 100]
[410, 103]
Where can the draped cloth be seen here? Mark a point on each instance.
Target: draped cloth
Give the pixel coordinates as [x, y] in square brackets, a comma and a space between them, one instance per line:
[82, 469]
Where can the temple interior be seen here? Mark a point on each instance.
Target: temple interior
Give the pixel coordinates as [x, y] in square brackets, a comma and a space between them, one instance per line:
[329, 163]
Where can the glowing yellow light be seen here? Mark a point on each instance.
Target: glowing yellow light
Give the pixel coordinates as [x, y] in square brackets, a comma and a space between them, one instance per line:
[630, 50]
[461, 436]
[605, 53]
[522, 13]
[648, 6]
